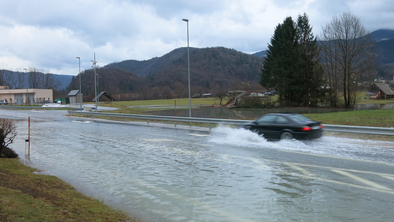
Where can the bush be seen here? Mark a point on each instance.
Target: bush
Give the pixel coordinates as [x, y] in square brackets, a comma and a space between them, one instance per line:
[7, 136]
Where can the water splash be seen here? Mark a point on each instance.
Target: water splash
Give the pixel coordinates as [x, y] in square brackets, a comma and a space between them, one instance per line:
[381, 151]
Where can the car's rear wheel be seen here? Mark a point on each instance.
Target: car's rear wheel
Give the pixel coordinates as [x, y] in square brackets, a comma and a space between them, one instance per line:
[286, 136]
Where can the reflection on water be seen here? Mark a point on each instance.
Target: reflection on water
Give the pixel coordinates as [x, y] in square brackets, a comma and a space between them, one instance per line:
[374, 106]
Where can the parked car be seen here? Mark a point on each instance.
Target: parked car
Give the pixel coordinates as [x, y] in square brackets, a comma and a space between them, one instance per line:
[270, 93]
[3, 102]
[277, 126]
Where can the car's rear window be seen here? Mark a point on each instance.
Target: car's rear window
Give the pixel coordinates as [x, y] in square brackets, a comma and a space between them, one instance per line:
[299, 118]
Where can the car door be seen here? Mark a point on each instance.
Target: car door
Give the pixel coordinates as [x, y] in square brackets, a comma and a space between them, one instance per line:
[264, 126]
[280, 124]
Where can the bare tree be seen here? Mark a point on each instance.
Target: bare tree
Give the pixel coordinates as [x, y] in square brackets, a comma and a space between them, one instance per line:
[20, 78]
[167, 92]
[49, 81]
[180, 90]
[155, 92]
[347, 51]
[35, 78]
[2, 83]
[220, 93]
[7, 133]
[2, 72]
[10, 79]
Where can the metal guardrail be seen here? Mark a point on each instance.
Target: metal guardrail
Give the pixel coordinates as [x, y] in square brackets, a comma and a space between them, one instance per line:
[327, 127]
[29, 107]
[360, 129]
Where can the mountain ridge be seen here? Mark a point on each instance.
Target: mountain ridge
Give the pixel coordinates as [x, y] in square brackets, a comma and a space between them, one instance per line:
[384, 46]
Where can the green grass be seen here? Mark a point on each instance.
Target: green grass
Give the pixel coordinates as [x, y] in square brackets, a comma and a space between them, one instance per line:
[376, 118]
[183, 101]
[123, 105]
[25, 196]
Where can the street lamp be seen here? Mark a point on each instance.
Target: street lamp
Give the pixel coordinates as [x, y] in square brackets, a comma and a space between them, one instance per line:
[95, 87]
[80, 83]
[188, 66]
[27, 89]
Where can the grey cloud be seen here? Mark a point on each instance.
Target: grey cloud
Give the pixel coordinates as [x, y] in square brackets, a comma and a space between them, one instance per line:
[171, 9]
[51, 33]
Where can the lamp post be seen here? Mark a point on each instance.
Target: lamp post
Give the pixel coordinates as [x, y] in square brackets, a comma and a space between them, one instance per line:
[95, 87]
[80, 83]
[188, 66]
[27, 89]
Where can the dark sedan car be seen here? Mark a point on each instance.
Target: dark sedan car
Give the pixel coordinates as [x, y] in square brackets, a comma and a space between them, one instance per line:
[278, 126]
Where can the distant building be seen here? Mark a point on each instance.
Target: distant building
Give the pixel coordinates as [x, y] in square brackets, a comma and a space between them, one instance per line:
[106, 95]
[26, 96]
[380, 91]
[75, 98]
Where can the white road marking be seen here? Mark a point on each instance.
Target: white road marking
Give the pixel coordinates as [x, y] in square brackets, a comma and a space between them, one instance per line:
[200, 135]
[302, 170]
[305, 173]
[388, 177]
[367, 182]
[258, 162]
[158, 140]
[346, 184]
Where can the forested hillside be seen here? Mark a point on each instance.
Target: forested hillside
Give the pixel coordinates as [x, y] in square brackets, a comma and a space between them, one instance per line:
[211, 70]
[151, 66]
[385, 51]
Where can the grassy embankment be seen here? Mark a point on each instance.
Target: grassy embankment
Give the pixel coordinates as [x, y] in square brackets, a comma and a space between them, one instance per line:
[25, 196]
[377, 118]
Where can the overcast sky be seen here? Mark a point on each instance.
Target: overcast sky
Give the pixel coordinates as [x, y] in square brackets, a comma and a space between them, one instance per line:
[49, 34]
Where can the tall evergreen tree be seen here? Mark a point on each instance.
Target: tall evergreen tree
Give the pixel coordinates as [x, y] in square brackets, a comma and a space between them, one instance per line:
[282, 69]
[292, 64]
[312, 70]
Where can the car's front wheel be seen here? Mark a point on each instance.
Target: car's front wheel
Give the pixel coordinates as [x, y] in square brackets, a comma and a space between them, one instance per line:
[286, 136]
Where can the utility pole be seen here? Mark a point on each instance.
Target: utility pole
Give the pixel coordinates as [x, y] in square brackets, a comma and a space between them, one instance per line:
[188, 66]
[80, 84]
[95, 79]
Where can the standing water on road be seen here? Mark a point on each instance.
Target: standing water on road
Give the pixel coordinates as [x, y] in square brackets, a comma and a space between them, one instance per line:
[169, 174]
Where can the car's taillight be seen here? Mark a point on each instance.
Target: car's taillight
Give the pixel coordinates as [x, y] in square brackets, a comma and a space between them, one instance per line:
[321, 126]
[306, 128]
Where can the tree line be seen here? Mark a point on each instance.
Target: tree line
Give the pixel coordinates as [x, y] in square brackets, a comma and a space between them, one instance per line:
[28, 78]
[307, 71]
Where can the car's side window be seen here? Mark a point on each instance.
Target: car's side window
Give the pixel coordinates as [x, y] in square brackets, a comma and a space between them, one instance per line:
[266, 119]
[281, 120]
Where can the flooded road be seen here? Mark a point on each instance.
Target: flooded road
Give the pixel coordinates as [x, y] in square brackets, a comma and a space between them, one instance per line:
[170, 174]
